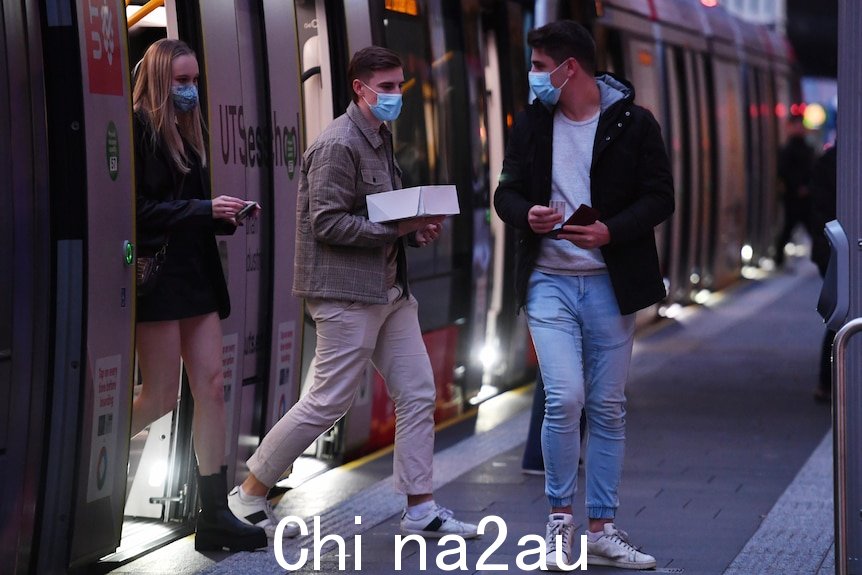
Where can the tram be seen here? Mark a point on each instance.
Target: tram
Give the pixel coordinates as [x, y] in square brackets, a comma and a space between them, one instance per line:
[78, 489]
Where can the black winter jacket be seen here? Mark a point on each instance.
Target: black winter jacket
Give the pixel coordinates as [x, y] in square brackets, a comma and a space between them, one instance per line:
[630, 184]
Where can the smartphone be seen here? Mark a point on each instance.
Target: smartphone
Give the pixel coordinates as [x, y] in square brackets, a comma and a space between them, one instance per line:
[583, 216]
[246, 211]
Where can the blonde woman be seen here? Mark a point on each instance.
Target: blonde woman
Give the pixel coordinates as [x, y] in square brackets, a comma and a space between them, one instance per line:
[178, 316]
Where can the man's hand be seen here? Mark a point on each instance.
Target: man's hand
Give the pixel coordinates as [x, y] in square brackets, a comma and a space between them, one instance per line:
[542, 219]
[588, 237]
[415, 224]
[428, 234]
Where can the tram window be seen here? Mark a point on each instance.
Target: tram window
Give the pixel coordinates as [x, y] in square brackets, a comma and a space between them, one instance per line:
[414, 134]
[434, 141]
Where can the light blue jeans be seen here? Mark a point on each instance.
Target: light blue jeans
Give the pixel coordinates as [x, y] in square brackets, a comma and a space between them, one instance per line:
[584, 347]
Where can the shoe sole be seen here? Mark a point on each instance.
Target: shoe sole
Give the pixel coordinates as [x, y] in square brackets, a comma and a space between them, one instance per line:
[555, 567]
[598, 560]
[438, 534]
[242, 544]
[289, 532]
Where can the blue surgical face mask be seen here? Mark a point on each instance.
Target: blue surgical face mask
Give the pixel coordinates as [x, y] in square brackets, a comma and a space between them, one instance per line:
[388, 106]
[542, 87]
[185, 97]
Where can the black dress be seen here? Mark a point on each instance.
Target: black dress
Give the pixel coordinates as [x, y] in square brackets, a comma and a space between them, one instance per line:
[176, 208]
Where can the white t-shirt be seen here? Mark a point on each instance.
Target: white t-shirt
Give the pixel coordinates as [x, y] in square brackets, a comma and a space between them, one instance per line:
[570, 182]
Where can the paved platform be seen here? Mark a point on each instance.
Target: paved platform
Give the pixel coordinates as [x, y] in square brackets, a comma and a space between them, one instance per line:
[727, 471]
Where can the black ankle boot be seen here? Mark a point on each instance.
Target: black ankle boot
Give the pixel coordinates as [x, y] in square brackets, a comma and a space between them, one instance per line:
[217, 527]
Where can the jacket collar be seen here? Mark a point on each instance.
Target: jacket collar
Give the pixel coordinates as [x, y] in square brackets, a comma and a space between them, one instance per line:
[371, 132]
[612, 90]
[617, 98]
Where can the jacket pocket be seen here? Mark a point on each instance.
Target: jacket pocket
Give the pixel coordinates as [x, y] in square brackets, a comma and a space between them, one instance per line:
[374, 177]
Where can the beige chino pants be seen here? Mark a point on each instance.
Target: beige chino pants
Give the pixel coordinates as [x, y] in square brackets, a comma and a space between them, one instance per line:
[348, 335]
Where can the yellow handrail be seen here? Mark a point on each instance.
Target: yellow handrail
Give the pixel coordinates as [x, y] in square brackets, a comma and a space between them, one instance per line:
[145, 10]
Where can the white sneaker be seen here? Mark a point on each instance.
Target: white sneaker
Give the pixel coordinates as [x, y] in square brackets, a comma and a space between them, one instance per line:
[613, 548]
[437, 523]
[559, 524]
[256, 510]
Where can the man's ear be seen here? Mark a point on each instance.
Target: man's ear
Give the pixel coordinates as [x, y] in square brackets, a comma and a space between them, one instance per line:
[357, 86]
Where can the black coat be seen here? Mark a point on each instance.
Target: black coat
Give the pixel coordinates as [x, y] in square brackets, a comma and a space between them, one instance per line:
[160, 208]
[824, 205]
[795, 163]
[630, 184]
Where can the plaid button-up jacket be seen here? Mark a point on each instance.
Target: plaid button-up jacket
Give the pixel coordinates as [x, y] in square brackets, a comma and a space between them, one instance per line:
[340, 253]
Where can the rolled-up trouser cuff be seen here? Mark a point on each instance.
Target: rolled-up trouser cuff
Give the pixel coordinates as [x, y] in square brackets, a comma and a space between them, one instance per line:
[560, 501]
[602, 512]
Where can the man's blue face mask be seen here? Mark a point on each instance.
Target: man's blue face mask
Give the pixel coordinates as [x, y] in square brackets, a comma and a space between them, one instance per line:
[185, 97]
[540, 82]
[388, 106]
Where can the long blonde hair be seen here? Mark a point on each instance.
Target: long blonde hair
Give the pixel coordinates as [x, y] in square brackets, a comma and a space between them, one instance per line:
[152, 98]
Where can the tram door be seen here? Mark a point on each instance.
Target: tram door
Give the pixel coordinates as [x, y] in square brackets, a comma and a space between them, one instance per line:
[91, 196]
[25, 295]
[321, 29]
[505, 356]
[730, 207]
[285, 109]
[109, 298]
[249, 51]
[644, 67]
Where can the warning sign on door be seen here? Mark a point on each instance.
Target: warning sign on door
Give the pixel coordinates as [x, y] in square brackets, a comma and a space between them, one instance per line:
[103, 441]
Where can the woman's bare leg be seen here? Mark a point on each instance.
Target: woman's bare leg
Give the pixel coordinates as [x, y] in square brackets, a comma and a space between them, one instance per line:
[201, 342]
[158, 346]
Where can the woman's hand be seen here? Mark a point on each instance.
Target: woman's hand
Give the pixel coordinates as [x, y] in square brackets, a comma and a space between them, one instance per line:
[226, 207]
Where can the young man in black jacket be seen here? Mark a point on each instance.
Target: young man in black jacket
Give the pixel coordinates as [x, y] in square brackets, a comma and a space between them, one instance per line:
[584, 141]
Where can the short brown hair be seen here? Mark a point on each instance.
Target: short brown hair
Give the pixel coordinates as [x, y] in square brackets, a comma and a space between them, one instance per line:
[565, 39]
[369, 60]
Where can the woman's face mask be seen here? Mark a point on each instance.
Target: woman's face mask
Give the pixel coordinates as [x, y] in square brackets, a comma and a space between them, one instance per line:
[185, 96]
[540, 82]
[388, 106]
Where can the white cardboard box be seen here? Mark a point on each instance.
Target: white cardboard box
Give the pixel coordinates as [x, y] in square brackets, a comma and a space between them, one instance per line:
[412, 202]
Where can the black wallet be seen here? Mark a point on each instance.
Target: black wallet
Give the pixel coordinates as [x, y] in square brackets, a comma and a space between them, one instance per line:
[583, 216]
